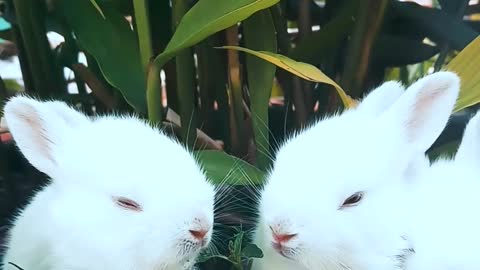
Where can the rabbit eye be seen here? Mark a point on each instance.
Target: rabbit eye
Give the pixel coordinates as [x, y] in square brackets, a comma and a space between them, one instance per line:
[127, 204]
[353, 200]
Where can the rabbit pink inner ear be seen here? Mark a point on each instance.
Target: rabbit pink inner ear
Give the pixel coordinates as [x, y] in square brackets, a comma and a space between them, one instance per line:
[421, 110]
[35, 131]
[425, 108]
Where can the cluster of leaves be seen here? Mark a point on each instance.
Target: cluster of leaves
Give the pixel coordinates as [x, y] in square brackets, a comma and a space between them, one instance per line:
[239, 74]
[241, 253]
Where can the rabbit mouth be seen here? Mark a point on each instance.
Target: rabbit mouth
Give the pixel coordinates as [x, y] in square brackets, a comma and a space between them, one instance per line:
[191, 249]
[286, 252]
[404, 255]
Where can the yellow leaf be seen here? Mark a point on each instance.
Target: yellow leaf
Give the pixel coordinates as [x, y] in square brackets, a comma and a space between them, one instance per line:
[467, 65]
[302, 70]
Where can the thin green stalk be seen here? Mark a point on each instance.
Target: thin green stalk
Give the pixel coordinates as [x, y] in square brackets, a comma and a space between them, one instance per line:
[305, 30]
[284, 77]
[46, 76]
[238, 134]
[154, 90]
[368, 23]
[219, 69]
[185, 67]
[22, 58]
[154, 95]
[143, 30]
[206, 83]
[259, 31]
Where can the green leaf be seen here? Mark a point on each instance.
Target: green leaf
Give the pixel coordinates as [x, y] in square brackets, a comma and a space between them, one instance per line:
[436, 24]
[13, 86]
[302, 70]
[223, 168]
[205, 257]
[407, 51]
[114, 46]
[95, 4]
[315, 47]
[252, 251]
[259, 32]
[235, 248]
[467, 64]
[206, 18]
[446, 150]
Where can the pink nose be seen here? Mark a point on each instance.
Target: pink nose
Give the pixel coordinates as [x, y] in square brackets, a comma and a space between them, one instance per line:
[198, 234]
[283, 238]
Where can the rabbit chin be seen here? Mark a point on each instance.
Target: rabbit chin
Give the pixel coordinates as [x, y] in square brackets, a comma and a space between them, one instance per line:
[393, 256]
[187, 257]
[273, 260]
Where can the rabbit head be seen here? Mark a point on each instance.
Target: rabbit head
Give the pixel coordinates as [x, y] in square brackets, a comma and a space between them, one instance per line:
[122, 194]
[335, 198]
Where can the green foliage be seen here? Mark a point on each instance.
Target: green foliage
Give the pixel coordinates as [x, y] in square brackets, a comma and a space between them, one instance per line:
[226, 169]
[113, 44]
[227, 116]
[206, 18]
[241, 254]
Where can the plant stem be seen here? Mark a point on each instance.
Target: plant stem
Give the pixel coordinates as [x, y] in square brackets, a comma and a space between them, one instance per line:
[238, 140]
[259, 32]
[206, 83]
[305, 30]
[99, 89]
[154, 90]
[185, 81]
[154, 95]
[46, 76]
[369, 20]
[22, 58]
[143, 30]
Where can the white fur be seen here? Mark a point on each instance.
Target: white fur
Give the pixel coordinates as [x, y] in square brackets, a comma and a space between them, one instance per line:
[73, 223]
[374, 152]
[446, 221]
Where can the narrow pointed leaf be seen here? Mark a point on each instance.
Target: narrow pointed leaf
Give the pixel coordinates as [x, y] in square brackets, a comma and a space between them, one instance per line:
[114, 46]
[467, 64]
[302, 70]
[95, 4]
[206, 18]
[259, 32]
[223, 168]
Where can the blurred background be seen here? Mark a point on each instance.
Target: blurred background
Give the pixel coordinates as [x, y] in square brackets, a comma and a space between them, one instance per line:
[160, 59]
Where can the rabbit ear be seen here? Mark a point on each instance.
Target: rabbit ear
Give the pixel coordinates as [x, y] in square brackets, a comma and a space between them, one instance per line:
[422, 112]
[71, 116]
[381, 98]
[37, 127]
[469, 148]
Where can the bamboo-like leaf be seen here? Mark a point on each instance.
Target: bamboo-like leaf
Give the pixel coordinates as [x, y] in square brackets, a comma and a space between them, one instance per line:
[302, 70]
[206, 18]
[114, 46]
[222, 168]
[259, 32]
[467, 64]
[95, 4]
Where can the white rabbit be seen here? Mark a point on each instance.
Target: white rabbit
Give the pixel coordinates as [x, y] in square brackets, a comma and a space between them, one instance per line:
[445, 228]
[336, 197]
[111, 203]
